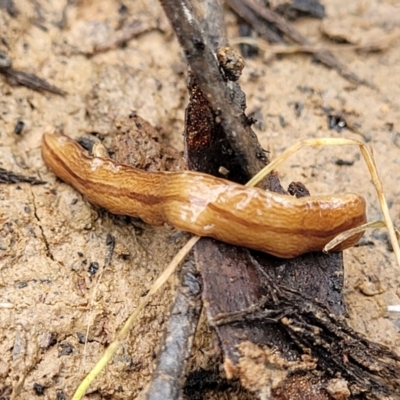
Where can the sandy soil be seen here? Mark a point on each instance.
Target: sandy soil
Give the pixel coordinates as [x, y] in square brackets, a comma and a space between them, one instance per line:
[50, 236]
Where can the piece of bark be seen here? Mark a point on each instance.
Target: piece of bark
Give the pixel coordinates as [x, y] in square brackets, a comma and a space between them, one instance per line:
[238, 284]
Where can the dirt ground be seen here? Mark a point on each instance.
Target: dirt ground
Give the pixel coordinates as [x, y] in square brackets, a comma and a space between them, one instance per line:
[51, 237]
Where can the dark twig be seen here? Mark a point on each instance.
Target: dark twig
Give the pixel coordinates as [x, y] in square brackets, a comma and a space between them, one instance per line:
[16, 77]
[255, 21]
[276, 20]
[169, 375]
[204, 66]
[297, 8]
[12, 177]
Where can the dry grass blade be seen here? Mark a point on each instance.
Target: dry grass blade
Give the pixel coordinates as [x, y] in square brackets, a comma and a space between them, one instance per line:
[123, 333]
[345, 235]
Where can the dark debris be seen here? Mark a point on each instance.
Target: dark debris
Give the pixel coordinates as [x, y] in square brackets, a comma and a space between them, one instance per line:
[12, 177]
[17, 77]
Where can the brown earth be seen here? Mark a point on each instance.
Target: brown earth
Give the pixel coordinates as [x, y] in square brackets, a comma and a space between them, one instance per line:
[50, 236]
